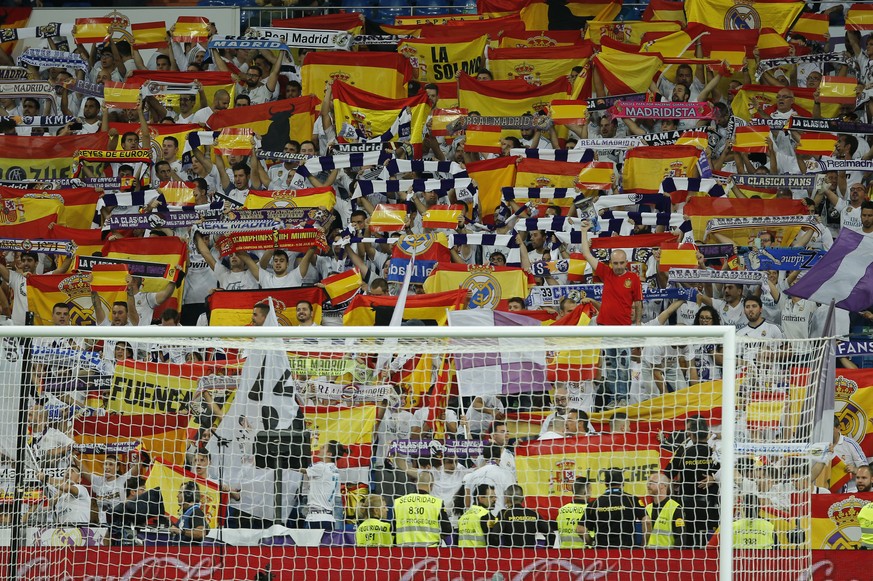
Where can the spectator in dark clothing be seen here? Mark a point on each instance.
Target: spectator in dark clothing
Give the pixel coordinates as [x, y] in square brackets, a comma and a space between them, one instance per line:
[613, 515]
[518, 526]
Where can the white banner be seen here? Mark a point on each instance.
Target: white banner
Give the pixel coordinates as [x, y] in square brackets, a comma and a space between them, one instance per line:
[305, 38]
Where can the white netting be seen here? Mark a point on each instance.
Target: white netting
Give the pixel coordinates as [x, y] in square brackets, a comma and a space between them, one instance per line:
[327, 441]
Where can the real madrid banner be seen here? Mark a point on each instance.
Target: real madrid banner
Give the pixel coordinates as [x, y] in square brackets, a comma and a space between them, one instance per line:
[141, 387]
[835, 520]
[854, 402]
[744, 14]
[491, 287]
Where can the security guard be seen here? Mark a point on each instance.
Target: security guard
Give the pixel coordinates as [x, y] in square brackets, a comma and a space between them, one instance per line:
[571, 534]
[612, 516]
[664, 523]
[752, 532]
[475, 524]
[374, 531]
[865, 520]
[420, 518]
[693, 469]
[518, 526]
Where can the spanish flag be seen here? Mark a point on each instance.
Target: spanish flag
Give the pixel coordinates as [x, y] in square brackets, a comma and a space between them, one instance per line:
[348, 426]
[149, 34]
[629, 32]
[860, 17]
[362, 312]
[276, 121]
[751, 138]
[596, 175]
[834, 520]
[29, 217]
[743, 105]
[812, 143]
[569, 111]
[698, 139]
[855, 391]
[89, 241]
[167, 387]
[159, 132]
[442, 216]
[436, 59]
[431, 246]
[772, 45]
[646, 167]
[177, 193]
[110, 282]
[211, 81]
[28, 157]
[233, 308]
[441, 118]
[91, 30]
[161, 435]
[352, 22]
[234, 141]
[44, 291]
[191, 29]
[729, 15]
[812, 26]
[14, 18]
[492, 286]
[677, 44]
[382, 73]
[508, 99]
[537, 66]
[840, 90]
[541, 39]
[703, 208]
[625, 72]
[483, 139]
[75, 206]
[674, 255]
[665, 10]
[169, 250]
[490, 176]
[324, 197]
[389, 218]
[543, 173]
[374, 115]
[120, 95]
[342, 286]
[535, 13]
[170, 479]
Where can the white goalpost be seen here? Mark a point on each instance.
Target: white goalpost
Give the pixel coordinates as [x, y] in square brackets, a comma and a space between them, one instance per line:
[247, 441]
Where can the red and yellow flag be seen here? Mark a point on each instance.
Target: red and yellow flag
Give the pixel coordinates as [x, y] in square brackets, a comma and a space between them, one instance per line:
[701, 209]
[436, 59]
[674, 255]
[362, 312]
[509, 98]
[28, 217]
[627, 31]
[646, 167]
[149, 34]
[25, 158]
[569, 111]
[211, 81]
[834, 520]
[744, 103]
[492, 286]
[490, 176]
[342, 286]
[276, 121]
[537, 66]
[159, 132]
[347, 21]
[169, 250]
[626, 72]
[16, 17]
[177, 193]
[812, 143]
[442, 216]
[483, 139]
[89, 241]
[751, 139]
[170, 479]
[76, 206]
[324, 197]
[382, 73]
[430, 246]
[233, 308]
[812, 26]
[596, 175]
[860, 17]
[698, 139]
[854, 391]
[728, 15]
[842, 90]
[441, 118]
[535, 13]
[44, 291]
[542, 173]
[91, 30]
[665, 10]
[388, 218]
[772, 45]
[234, 141]
[121, 95]
[374, 115]
[541, 39]
[191, 29]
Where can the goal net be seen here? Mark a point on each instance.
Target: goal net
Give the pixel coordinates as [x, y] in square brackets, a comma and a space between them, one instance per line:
[478, 452]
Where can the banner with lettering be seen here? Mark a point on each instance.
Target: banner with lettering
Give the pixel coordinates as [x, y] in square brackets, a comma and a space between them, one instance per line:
[438, 60]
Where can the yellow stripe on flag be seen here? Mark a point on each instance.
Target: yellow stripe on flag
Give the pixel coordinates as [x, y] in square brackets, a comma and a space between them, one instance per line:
[569, 111]
[646, 167]
[698, 139]
[812, 26]
[842, 90]
[342, 286]
[234, 141]
[191, 29]
[674, 255]
[812, 143]
[630, 31]
[483, 139]
[306, 198]
[91, 30]
[170, 479]
[442, 216]
[346, 426]
[751, 139]
[725, 15]
[177, 193]
[389, 218]
[860, 17]
[120, 96]
[149, 34]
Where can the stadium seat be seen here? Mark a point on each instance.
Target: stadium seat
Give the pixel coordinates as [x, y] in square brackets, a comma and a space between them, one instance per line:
[360, 6]
[431, 7]
[390, 9]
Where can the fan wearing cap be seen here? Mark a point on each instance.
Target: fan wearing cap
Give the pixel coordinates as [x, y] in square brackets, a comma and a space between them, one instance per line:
[614, 514]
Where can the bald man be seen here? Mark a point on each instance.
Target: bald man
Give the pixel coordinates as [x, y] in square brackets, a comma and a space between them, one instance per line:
[664, 523]
[621, 304]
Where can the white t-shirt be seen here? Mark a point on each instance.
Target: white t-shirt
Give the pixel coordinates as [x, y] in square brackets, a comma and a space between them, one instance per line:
[108, 493]
[74, 508]
[230, 280]
[494, 475]
[324, 492]
[850, 217]
[270, 280]
[18, 282]
[146, 303]
[735, 316]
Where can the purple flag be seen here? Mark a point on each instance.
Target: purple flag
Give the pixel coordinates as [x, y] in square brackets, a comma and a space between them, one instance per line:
[844, 275]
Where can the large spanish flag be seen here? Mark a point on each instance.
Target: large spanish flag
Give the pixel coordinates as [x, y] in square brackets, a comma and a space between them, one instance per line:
[44, 291]
[835, 520]
[646, 167]
[436, 59]
[348, 21]
[483, 139]
[374, 115]
[324, 197]
[509, 98]
[346, 425]
[276, 121]
[491, 286]
[627, 31]
[854, 389]
[860, 17]
[537, 66]
[169, 479]
[28, 158]
[75, 206]
[812, 26]
[730, 15]
[383, 73]
[701, 209]
[169, 250]
[362, 312]
[28, 217]
[234, 308]
[751, 138]
[743, 105]
[626, 72]
[491, 175]
[665, 10]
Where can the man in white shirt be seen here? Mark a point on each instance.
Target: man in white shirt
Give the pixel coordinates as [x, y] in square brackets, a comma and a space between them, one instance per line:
[304, 314]
[491, 474]
[72, 503]
[220, 102]
[731, 308]
[17, 279]
[324, 500]
[281, 277]
[146, 303]
[237, 277]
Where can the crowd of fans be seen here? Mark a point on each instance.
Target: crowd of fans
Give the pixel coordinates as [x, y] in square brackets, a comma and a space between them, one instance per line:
[432, 497]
